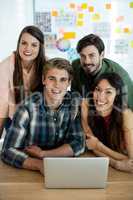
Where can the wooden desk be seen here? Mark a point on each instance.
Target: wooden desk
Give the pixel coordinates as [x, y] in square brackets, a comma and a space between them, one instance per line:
[16, 184]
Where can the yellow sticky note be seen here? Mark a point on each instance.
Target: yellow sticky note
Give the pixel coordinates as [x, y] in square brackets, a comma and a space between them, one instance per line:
[84, 5]
[91, 9]
[69, 35]
[131, 4]
[72, 5]
[118, 30]
[54, 13]
[80, 16]
[108, 6]
[80, 23]
[96, 17]
[126, 30]
[131, 43]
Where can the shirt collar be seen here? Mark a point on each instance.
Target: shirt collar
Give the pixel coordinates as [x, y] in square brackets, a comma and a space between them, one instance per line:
[66, 101]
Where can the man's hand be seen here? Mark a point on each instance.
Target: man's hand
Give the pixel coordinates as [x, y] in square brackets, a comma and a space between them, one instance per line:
[34, 164]
[34, 151]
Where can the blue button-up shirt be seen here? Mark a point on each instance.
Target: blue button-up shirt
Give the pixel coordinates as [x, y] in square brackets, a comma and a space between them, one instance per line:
[35, 123]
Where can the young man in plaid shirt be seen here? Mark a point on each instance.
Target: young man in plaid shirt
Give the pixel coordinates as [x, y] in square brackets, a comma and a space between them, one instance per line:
[46, 124]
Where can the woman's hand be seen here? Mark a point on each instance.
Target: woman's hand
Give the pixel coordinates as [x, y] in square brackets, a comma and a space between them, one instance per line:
[91, 142]
[125, 165]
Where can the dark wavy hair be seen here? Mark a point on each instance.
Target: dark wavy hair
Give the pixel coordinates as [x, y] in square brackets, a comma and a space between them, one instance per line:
[113, 137]
[39, 63]
[91, 39]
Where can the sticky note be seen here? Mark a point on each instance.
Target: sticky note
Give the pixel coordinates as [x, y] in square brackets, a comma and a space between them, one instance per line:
[118, 30]
[84, 5]
[126, 30]
[131, 4]
[72, 5]
[120, 19]
[54, 13]
[69, 35]
[80, 23]
[108, 6]
[91, 9]
[96, 17]
[80, 15]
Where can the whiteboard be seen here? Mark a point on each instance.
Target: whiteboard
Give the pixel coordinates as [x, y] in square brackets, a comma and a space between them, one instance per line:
[65, 22]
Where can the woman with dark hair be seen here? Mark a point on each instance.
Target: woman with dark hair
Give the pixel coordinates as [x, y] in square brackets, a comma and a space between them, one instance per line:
[107, 123]
[21, 73]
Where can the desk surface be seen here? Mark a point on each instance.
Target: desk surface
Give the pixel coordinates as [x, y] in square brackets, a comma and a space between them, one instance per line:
[16, 184]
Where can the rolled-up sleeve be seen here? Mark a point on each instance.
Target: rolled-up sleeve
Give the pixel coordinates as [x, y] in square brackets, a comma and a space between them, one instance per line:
[14, 143]
[76, 137]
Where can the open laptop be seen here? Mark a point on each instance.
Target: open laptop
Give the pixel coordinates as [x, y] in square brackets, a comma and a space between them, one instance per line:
[71, 172]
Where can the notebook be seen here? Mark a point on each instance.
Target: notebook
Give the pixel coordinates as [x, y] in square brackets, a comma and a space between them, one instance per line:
[73, 172]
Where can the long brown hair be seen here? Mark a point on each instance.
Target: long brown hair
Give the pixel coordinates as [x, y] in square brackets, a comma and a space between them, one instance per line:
[39, 62]
[113, 137]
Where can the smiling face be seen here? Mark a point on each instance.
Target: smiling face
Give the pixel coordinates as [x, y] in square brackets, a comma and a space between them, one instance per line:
[104, 96]
[56, 82]
[28, 48]
[90, 59]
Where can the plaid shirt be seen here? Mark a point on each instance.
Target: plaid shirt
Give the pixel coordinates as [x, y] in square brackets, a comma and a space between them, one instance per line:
[34, 123]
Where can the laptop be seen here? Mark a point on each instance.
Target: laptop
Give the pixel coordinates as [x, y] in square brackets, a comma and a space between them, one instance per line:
[76, 172]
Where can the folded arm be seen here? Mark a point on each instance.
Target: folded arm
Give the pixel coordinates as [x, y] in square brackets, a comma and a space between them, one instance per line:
[118, 160]
[97, 146]
[73, 143]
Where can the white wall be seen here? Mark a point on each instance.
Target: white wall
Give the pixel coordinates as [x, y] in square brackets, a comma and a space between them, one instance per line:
[14, 15]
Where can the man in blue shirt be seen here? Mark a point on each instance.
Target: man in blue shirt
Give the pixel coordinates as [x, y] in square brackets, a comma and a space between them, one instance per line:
[47, 124]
